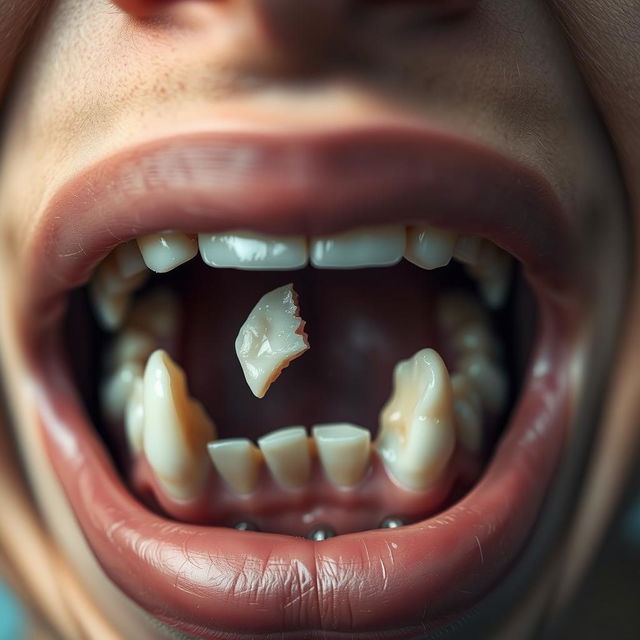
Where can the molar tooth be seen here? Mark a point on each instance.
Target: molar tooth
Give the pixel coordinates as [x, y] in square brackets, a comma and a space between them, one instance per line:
[366, 247]
[134, 417]
[488, 378]
[430, 248]
[247, 250]
[457, 310]
[176, 429]
[467, 249]
[109, 309]
[286, 452]
[131, 345]
[474, 338]
[467, 405]
[344, 452]
[238, 461]
[117, 386]
[493, 273]
[417, 430]
[270, 338]
[163, 252]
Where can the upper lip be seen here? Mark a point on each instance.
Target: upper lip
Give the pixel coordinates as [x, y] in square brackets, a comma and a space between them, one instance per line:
[316, 184]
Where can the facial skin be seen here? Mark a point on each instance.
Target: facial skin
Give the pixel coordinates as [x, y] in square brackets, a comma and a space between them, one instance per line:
[551, 85]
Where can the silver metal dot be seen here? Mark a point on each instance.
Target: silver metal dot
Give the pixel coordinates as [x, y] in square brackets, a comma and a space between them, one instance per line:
[245, 525]
[321, 533]
[392, 523]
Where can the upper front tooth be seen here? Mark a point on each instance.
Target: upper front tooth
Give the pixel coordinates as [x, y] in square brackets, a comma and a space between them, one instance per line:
[165, 251]
[286, 452]
[344, 452]
[270, 338]
[417, 429]
[430, 248]
[366, 247]
[176, 429]
[238, 461]
[246, 250]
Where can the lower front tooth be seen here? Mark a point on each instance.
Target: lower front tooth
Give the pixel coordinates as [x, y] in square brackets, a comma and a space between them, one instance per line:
[238, 461]
[286, 452]
[417, 428]
[165, 251]
[176, 429]
[344, 451]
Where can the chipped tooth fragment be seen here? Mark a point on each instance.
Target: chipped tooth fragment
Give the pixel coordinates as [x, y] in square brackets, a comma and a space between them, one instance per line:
[488, 378]
[377, 246]
[344, 451]
[467, 406]
[467, 249]
[286, 453]
[247, 250]
[134, 417]
[270, 338]
[176, 429]
[163, 252]
[417, 425]
[238, 461]
[430, 248]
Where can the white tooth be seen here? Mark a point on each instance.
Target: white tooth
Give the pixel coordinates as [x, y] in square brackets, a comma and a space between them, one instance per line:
[468, 410]
[467, 249]
[176, 429]
[117, 388]
[344, 450]
[457, 310]
[134, 417]
[128, 260]
[110, 309]
[165, 251]
[286, 452]
[493, 273]
[417, 428]
[430, 248]
[131, 345]
[246, 250]
[366, 247]
[488, 378]
[238, 461]
[270, 338]
[474, 338]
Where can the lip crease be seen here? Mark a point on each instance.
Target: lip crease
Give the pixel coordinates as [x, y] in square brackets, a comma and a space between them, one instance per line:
[219, 583]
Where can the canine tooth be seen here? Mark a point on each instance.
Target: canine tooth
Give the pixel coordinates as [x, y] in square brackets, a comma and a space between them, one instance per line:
[134, 416]
[430, 248]
[488, 378]
[117, 387]
[417, 430]
[367, 247]
[467, 249]
[246, 250]
[344, 452]
[163, 252]
[176, 429]
[286, 452]
[270, 338]
[237, 460]
[468, 410]
[129, 260]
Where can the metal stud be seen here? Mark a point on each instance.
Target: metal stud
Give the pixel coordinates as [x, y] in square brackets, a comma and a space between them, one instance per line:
[246, 525]
[392, 522]
[321, 533]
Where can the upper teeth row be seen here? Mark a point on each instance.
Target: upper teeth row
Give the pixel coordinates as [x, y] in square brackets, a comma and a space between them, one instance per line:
[429, 248]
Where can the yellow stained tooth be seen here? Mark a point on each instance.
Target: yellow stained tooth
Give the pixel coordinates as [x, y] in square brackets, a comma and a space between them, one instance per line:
[417, 425]
[176, 429]
[238, 461]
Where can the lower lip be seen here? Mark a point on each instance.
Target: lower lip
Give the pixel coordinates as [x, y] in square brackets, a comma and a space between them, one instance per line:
[211, 582]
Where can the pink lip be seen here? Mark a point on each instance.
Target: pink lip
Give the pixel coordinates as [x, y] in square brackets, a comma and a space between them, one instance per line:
[214, 582]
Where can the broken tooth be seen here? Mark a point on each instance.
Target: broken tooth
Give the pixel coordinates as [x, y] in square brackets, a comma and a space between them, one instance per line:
[417, 429]
[134, 417]
[163, 252]
[430, 248]
[238, 461]
[367, 247]
[246, 250]
[344, 451]
[488, 378]
[467, 406]
[270, 338]
[286, 453]
[176, 429]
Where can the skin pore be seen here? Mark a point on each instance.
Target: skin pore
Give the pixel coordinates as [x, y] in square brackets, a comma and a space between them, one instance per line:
[546, 83]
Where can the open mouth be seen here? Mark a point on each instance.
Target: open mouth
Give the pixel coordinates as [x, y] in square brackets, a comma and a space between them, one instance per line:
[400, 460]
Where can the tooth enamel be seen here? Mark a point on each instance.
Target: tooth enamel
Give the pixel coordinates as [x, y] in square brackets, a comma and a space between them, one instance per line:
[488, 378]
[457, 310]
[117, 387]
[238, 461]
[129, 260]
[344, 452]
[417, 430]
[474, 338]
[246, 250]
[467, 249]
[286, 452]
[134, 417]
[493, 273]
[366, 247]
[176, 429]
[109, 309]
[270, 338]
[163, 252]
[467, 406]
[131, 345]
[430, 248]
